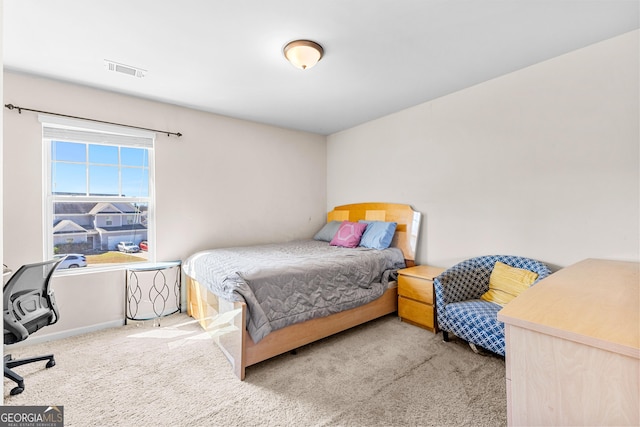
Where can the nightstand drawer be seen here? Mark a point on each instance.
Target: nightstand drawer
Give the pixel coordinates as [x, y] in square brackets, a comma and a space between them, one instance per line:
[416, 312]
[415, 288]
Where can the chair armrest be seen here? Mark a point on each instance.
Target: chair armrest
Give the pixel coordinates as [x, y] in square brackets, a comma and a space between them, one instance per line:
[14, 327]
[53, 306]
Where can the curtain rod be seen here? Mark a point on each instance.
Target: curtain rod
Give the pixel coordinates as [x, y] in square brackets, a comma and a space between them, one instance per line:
[15, 107]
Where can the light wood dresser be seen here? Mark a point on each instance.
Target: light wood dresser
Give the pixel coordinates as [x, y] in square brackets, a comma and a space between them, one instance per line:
[416, 302]
[573, 347]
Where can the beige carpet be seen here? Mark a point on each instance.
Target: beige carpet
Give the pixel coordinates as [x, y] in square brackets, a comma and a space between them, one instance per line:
[384, 373]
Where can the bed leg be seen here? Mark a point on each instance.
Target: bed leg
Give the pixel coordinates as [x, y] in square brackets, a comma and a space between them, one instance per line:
[445, 336]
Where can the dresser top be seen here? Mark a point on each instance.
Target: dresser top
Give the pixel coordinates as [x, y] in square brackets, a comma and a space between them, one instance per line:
[594, 302]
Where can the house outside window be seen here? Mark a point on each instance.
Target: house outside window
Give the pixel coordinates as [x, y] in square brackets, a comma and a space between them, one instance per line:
[99, 196]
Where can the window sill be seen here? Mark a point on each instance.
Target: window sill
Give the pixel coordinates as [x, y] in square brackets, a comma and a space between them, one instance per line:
[91, 270]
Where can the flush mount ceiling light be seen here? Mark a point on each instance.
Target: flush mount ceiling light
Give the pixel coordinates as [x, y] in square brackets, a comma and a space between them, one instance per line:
[303, 54]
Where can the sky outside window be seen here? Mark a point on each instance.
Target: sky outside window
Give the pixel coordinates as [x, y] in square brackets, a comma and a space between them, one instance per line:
[103, 180]
[103, 154]
[111, 170]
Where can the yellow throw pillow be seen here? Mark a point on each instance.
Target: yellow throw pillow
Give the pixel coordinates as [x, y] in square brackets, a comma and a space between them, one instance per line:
[507, 282]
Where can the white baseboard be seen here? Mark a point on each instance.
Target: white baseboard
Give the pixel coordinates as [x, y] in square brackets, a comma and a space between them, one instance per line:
[37, 339]
[34, 339]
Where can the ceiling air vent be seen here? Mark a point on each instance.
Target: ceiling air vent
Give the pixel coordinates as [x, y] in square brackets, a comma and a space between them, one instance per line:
[124, 69]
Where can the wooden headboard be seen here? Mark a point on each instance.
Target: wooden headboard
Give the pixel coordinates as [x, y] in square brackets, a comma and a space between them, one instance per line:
[408, 220]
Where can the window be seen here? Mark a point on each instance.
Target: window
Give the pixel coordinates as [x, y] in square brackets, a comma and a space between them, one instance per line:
[99, 195]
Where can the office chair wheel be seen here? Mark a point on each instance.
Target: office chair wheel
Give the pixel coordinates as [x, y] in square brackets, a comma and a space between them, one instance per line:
[51, 363]
[17, 390]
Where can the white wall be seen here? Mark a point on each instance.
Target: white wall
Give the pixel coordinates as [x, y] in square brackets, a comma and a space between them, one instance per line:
[224, 182]
[543, 162]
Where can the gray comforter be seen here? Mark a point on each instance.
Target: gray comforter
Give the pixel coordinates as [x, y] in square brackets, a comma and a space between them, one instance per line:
[296, 281]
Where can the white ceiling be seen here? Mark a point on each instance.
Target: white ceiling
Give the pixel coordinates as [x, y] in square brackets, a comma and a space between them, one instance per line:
[225, 56]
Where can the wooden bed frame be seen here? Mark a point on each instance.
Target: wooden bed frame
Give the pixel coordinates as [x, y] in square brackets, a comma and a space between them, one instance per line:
[226, 321]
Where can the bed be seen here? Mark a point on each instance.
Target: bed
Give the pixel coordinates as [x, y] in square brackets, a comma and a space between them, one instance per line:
[229, 314]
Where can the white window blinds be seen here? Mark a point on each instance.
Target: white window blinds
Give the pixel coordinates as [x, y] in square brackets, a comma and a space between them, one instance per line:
[66, 129]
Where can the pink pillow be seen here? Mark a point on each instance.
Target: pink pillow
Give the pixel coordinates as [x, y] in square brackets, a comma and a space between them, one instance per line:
[348, 234]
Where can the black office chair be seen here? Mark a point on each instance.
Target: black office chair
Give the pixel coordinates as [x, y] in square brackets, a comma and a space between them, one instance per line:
[29, 305]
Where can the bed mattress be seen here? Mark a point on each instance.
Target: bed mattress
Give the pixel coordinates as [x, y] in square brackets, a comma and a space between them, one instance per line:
[291, 282]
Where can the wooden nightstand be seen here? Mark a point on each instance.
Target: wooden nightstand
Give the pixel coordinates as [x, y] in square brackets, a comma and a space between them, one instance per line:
[416, 301]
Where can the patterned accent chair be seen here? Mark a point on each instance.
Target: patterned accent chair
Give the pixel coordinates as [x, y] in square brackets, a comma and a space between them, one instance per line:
[459, 307]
